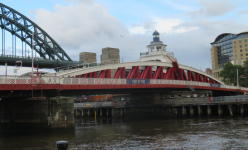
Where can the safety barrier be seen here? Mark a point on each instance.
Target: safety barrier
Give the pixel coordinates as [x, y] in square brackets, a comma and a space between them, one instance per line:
[93, 104]
[105, 81]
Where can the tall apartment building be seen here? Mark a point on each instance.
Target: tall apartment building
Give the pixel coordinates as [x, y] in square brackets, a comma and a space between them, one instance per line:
[110, 55]
[228, 47]
[87, 57]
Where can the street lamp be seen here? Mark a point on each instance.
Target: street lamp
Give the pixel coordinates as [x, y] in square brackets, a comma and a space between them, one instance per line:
[37, 66]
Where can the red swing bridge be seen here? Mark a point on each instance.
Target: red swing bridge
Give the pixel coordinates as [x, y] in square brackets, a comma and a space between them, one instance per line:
[128, 77]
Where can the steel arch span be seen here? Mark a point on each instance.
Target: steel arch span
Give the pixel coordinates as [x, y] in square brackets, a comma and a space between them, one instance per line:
[23, 28]
[142, 70]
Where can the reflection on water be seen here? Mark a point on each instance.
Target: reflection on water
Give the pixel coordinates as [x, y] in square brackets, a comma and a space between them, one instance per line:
[204, 133]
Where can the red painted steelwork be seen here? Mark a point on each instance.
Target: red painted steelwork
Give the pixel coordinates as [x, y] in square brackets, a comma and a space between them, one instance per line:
[159, 73]
[184, 76]
[198, 77]
[147, 73]
[120, 73]
[105, 74]
[171, 74]
[134, 73]
[191, 76]
[205, 79]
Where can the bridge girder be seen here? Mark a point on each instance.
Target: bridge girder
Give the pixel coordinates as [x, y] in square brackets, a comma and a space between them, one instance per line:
[23, 28]
[171, 73]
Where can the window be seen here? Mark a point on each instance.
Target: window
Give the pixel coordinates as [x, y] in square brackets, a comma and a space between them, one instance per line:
[241, 55]
[179, 96]
[235, 55]
[241, 50]
[236, 61]
[234, 42]
[246, 54]
[245, 45]
[246, 49]
[240, 41]
[172, 96]
[245, 40]
[236, 51]
[235, 46]
[240, 46]
[242, 62]
[246, 58]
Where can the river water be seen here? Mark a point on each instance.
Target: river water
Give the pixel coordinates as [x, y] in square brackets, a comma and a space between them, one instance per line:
[183, 133]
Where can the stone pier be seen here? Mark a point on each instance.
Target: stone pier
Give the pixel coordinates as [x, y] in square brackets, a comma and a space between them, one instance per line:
[47, 113]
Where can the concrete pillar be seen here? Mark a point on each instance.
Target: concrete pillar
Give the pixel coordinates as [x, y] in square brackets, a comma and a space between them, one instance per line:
[199, 110]
[242, 110]
[230, 110]
[184, 112]
[209, 110]
[76, 113]
[82, 112]
[220, 110]
[88, 112]
[107, 112]
[101, 112]
[191, 111]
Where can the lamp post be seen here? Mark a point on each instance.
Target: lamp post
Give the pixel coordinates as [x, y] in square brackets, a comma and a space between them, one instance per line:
[37, 66]
[237, 77]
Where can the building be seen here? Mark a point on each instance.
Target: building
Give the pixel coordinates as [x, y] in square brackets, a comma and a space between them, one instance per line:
[228, 47]
[110, 56]
[87, 57]
[156, 51]
[208, 71]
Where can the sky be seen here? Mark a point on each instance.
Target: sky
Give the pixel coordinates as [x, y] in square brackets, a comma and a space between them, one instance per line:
[187, 27]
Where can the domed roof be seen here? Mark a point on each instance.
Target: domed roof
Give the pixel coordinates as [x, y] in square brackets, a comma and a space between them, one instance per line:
[155, 33]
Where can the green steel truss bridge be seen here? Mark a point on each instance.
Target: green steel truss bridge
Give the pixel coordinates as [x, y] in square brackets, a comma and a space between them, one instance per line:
[51, 55]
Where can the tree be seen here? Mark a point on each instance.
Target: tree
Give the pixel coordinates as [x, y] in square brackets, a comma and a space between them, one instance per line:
[246, 70]
[230, 72]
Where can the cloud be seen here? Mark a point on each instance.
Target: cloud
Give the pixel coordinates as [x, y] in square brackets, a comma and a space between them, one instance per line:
[162, 25]
[211, 9]
[243, 11]
[178, 6]
[90, 27]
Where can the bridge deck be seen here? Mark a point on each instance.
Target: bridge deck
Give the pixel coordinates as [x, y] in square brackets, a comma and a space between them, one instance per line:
[48, 83]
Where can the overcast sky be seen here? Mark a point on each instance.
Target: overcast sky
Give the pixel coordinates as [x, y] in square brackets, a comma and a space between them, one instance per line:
[187, 27]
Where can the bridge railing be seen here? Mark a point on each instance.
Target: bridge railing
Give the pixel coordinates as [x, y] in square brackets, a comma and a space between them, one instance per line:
[104, 81]
[94, 104]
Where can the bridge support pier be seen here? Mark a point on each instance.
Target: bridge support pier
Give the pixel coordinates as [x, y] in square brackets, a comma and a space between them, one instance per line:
[88, 112]
[242, 110]
[184, 112]
[230, 110]
[101, 112]
[82, 112]
[220, 110]
[47, 113]
[107, 111]
[209, 110]
[199, 111]
[191, 111]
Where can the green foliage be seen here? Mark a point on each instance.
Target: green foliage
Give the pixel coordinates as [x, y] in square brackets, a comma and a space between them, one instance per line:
[246, 70]
[229, 72]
